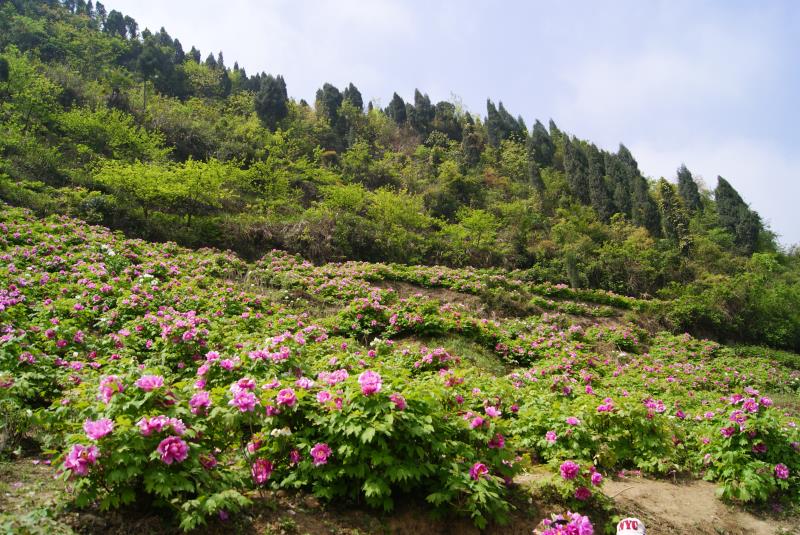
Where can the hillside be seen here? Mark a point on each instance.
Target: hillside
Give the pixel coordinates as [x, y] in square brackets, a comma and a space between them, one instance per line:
[382, 386]
[125, 128]
[226, 310]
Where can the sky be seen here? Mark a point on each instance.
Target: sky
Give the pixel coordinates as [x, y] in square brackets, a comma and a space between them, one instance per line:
[705, 83]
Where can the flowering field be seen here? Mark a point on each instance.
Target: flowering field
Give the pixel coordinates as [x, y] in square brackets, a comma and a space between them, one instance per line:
[193, 381]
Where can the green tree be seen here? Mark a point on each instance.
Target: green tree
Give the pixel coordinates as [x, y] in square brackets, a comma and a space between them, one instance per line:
[674, 219]
[687, 188]
[397, 109]
[271, 101]
[541, 146]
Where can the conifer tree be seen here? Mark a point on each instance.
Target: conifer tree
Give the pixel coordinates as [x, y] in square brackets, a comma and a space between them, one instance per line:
[471, 146]
[736, 217]
[576, 167]
[271, 101]
[353, 96]
[674, 219]
[421, 114]
[687, 188]
[397, 109]
[541, 145]
[4, 71]
[599, 196]
[446, 121]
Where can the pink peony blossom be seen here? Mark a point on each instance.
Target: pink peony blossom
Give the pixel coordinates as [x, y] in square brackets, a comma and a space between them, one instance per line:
[573, 421]
[781, 471]
[98, 429]
[569, 470]
[244, 400]
[286, 397]
[200, 402]
[150, 382]
[370, 382]
[110, 385]
[583, 494]
[399, 401]
[173, 449]
[320, 453]
[261, 470]
[80, 458]
[497, 442]
[478, 471]
[551, 436]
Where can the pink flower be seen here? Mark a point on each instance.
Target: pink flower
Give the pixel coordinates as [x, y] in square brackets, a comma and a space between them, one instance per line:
[370, 382]
[109, 386]
[583, 494]
[200, 402]
[150, 382]
[208, 461]
[294, 457]
[304, 382]
[765, 402]
[261, 471]
[323, 396]
[492, 412]
[476, 422]
[98, 429]
[596, 478]
[286, 397]
[244, 400]
[497, 442]
[573, 421]
[173, 449]
[80, 458]
[551, 436]
[727, 432]
[399, 401]
[320, 453]
[478, 470]
[569, 470]
[781, 471]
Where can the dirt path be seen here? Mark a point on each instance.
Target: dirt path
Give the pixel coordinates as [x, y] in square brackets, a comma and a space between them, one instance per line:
[687, 508]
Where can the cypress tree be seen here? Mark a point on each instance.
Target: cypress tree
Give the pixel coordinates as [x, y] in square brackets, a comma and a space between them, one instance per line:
[396, 109]
[494, 125]
[576, 167]
[534, 174]
[271, 101]
[421, 114]
[446, 121]
[115, 24]
[687, 188]
[353, 96]
[541, 145]
[599, 196]
[471, 146]
[210, 61]
[736, 217]
[4, 70]
[674, 219]
[132, 27]
[194, 55]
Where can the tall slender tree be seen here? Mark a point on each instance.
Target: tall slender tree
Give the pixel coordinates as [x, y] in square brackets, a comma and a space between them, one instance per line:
[687, 188]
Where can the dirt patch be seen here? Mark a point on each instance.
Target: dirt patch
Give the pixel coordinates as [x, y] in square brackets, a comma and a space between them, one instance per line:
[688, 507]
[445, 296]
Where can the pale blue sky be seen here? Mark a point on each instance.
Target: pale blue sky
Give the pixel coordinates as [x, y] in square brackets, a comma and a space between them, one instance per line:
[712, 84]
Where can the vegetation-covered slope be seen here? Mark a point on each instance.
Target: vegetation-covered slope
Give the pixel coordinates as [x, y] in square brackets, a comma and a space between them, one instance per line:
[194, 382]
[125, 128]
